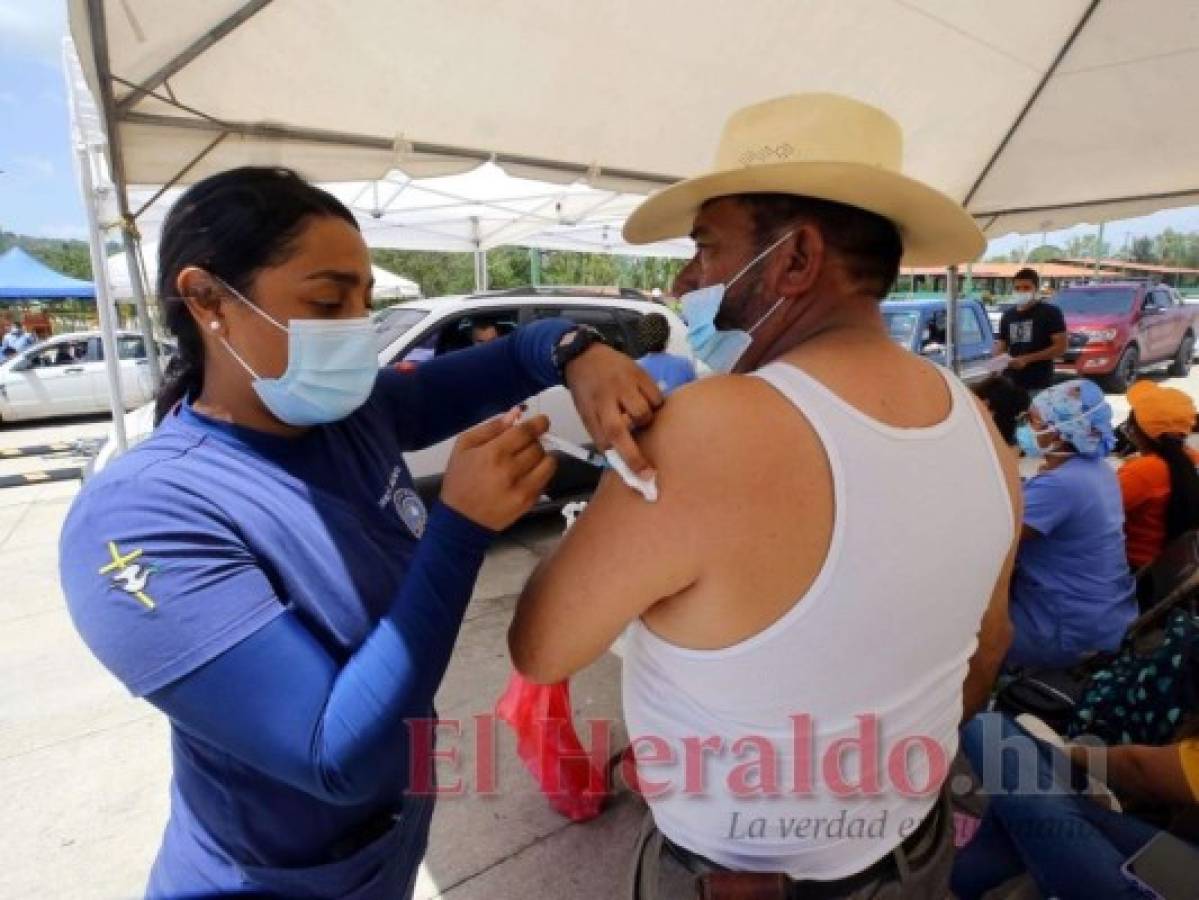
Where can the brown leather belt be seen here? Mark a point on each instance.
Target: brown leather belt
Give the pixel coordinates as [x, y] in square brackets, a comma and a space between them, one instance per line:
[718, 883]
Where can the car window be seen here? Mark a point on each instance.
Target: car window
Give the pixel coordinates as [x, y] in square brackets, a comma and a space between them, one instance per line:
[629, 319]
[59, 353]
[1101, 300]
[393, 322]
[969, 331]
[131, 347]
[602, 320]
[458, 333]
[901, 326]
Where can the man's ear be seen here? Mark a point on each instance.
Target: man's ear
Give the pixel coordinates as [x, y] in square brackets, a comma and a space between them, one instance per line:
[805, 257]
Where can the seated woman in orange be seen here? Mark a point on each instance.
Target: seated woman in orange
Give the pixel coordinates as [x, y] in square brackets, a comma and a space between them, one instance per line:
[1160, 486]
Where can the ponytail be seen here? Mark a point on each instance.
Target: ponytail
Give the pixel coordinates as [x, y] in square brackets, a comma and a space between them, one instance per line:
[1182, 511]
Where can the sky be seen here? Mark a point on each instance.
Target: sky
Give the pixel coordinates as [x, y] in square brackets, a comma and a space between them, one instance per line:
[39, 195]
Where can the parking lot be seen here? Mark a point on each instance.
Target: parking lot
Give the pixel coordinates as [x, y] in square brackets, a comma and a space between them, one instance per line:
[84, 768]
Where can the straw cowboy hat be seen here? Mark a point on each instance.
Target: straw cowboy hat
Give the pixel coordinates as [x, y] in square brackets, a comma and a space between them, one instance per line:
[824, 146]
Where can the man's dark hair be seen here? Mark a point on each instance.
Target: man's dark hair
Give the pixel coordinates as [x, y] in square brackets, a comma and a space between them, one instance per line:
[869, 244]
[653, 331]
[1007, 402]
[1027, 274]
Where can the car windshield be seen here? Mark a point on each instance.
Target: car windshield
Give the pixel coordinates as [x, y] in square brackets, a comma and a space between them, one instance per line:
[394, 321]
[902, 326]
[1094, 300]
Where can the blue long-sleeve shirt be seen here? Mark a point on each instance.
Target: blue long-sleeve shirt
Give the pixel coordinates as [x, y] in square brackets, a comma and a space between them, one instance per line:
[289, 604]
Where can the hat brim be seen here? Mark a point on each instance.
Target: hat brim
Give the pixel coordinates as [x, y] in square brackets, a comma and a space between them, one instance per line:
[936, 231]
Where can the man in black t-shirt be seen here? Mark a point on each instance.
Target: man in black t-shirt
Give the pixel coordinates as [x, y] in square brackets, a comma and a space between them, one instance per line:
[1033, 333]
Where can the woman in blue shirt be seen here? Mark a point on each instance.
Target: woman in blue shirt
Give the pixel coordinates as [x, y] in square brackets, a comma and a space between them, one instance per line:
[1071, 589]
[261, 569]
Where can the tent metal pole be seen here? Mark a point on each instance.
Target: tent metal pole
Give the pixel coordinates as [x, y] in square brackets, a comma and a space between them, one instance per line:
[104, 306]
[1036, 95]
[951, 320]
[132, 255]
[480, 270]
[109, 117]
[180, 62]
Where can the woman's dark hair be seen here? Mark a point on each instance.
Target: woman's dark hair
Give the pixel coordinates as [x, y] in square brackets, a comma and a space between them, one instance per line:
[232, 224]
[1182, 512]
[1007, 402]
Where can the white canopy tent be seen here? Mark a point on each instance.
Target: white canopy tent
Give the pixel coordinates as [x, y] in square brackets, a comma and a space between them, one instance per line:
[388, 285]
[473, 212]
[1031, 113]
[1034, 115]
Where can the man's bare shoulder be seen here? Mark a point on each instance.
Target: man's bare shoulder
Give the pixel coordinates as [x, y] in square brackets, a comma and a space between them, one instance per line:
[711, 423]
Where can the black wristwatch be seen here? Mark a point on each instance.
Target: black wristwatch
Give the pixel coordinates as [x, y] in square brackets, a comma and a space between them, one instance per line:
[573, 345]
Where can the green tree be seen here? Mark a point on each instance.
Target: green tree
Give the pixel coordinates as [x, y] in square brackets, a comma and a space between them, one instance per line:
[1142, 250]
[1084, 247]
[70, 257]
[1045, 253]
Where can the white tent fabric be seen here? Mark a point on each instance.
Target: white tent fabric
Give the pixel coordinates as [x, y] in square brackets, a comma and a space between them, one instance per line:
[477, 210]
[1036, 115]
[388, 285]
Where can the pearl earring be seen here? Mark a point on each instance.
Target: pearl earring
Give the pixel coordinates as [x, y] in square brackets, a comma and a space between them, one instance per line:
[215, 326]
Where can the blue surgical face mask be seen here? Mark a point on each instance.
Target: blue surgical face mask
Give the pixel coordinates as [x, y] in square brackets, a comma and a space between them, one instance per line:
[332, 365]
[718, 349]
[1026, 439]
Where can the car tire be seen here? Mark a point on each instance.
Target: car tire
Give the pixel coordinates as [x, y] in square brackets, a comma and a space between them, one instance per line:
[1125, 372]
[1181, 366]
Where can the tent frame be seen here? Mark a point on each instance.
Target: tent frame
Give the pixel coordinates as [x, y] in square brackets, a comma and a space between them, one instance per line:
[115, 113]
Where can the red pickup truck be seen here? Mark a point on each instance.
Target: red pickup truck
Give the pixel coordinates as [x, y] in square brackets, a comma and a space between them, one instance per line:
[1118, 328]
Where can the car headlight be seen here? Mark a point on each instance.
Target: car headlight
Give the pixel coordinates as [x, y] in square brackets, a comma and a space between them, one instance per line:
[1099, 335]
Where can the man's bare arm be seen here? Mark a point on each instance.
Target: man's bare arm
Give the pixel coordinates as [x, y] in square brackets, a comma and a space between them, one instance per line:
[623, 555]
[995, 632]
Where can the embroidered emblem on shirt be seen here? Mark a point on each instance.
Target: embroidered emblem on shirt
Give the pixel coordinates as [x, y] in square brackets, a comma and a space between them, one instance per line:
[128, 575]
[412, 510]
[408, 504]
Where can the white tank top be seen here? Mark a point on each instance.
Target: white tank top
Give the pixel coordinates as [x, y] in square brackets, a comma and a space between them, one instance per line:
[922, 524]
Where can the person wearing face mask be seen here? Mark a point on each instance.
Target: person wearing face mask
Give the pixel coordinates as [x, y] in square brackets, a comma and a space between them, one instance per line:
[1033, 333]
[261, 569]
[782, 576]
[1071, 591]
[1160, 486]
[17, 339]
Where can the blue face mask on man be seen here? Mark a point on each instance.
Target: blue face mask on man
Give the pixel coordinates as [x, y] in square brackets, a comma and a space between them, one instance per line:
[716, 348]
[332, 365]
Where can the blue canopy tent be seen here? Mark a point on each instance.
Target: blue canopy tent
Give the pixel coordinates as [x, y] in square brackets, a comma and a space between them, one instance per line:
[24, 278]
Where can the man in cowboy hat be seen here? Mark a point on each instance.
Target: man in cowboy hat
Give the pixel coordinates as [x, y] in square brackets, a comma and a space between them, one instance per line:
[795, 669]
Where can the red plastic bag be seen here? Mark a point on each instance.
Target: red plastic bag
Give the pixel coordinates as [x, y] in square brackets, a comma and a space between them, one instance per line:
[546, 741]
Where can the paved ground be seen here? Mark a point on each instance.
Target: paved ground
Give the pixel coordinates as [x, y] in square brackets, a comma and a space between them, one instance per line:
[84, 768]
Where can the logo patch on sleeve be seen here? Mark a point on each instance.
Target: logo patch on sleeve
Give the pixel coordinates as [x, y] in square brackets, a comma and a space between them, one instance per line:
[128, 575]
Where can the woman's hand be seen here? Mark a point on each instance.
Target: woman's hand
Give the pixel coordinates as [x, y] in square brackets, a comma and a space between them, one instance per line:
[614, 395]
[498, 470]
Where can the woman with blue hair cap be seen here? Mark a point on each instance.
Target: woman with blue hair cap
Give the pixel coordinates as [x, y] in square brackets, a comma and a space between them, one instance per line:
[1072, 592]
